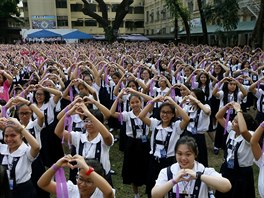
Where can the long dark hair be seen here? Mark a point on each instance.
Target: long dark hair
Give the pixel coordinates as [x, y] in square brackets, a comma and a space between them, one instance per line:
[225, 90]
[199, 95]
[207, 84]
[4, 183]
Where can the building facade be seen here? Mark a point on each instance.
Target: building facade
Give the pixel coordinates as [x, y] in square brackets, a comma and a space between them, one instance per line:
[159, 22]
[67, 14]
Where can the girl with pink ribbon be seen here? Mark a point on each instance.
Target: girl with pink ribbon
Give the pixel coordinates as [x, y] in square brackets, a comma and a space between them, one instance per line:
[187, 177]
[90, 180]
[237, 166]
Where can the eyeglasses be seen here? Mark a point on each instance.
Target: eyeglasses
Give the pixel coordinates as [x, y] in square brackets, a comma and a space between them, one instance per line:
[166, 112]
[24, 113]
[83, 181]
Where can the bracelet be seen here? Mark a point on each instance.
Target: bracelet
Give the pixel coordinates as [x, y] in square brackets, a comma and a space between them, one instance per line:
[30, 103]
[262, 125]
[198, 175]
[240, 110]
[173, 181]
[90, 170]
[54, 167]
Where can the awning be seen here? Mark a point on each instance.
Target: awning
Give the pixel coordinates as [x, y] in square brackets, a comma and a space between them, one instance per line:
[77, 35]
[43, 34]
[243, 26]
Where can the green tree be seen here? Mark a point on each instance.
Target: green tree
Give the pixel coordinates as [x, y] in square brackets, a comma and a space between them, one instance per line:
[203, 21]
[223, 13]
[259, 27]
[8, 9]
[178, 10]
[110, 31]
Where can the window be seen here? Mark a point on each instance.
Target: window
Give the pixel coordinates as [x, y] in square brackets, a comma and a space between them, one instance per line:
[77, 23]
[76, 7]
[157, 14]
[92, 7]
[139, 10]
[62, 20]
[147, 16]
[139, 24]
[190, 5]
[61, 4]
[90, 22]
[25, 4]
[107, 8]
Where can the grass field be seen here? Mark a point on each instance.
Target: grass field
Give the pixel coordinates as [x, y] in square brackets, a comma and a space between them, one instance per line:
[125, 191]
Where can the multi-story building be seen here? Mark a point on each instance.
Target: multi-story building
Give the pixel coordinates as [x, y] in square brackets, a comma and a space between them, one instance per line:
[159, 22]
[67, 14]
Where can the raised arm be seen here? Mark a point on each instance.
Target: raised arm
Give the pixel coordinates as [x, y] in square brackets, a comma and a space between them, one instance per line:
[255, 146]
[99, 126]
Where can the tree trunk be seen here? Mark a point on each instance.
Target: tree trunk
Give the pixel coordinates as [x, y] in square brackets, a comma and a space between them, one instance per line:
[259, 28]
[204, 28]
[176, 30]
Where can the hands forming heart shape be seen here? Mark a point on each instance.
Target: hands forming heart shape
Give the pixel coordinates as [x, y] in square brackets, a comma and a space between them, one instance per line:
[72, 162]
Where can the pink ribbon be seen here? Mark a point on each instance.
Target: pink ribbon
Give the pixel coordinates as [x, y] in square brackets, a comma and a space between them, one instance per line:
[171, 64]
[67, 122]
[227, 119]
[177, 191]
[193, 79]
[71, 94]
[106, 75]
[4, 111]
[61, 185]
[151, 86]
[172, 93]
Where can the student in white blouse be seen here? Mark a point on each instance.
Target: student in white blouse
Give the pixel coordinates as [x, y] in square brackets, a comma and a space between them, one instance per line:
[90, 181]
[188, 177]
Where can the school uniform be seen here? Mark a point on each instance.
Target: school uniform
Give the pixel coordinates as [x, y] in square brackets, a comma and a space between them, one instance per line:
[51, 144]
[260, 105]
[198, 125]
[260, 164]
[220, 138]
[162, 148]
[238, 166]
[94, 149]
[38, 167]
[136, 155]
[18, 166]
[191, 188]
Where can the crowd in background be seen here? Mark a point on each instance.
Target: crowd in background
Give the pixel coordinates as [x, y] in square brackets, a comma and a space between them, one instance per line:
[161, 98]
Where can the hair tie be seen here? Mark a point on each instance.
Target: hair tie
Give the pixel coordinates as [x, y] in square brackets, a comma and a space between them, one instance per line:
[227, 119]
[61, 186]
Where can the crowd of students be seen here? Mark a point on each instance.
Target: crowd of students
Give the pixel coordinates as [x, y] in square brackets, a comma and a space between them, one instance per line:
[161, 98]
